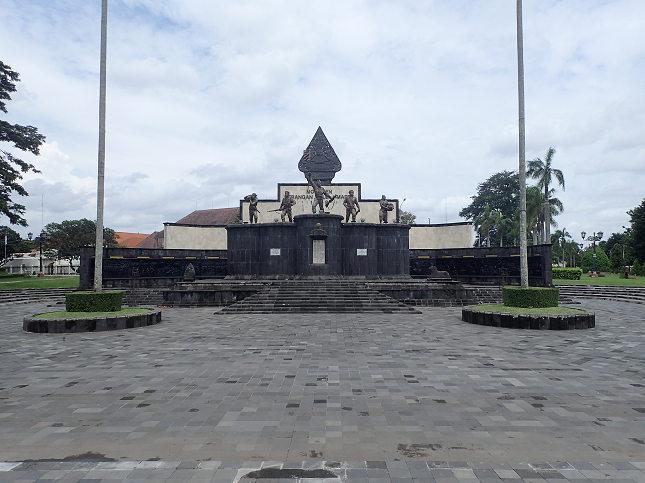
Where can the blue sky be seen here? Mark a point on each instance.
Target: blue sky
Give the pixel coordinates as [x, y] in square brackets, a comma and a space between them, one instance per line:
[209, 101]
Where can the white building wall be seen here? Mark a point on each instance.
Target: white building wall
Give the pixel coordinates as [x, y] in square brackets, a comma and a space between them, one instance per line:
[194, 237]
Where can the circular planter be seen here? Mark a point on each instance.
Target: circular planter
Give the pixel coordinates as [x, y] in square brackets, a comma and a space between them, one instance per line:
[90, 324]
[585, 320]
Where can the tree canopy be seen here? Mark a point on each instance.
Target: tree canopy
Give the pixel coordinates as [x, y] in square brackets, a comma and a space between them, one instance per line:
[68, 237]
[15, 243]
[500, 193]
[637, 231]
[544, 172]
[407, 218]
[25, 138]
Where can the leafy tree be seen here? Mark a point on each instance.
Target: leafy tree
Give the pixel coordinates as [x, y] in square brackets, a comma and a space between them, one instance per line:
[15, 243]
[500, 193]
[485, 223]
[616, 260]
[559, 242]
[503, 226]
[407, 218]
[602, 260]
[637, 268]
[637, 231]
[68, 237]
[25, 138]
[544, 173]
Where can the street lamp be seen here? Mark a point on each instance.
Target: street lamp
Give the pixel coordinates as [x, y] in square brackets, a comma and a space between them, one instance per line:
[398, 214]
[42, 237]
[593, 238]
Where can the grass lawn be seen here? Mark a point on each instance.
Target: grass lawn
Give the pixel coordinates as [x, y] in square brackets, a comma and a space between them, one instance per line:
[10, 282]
[610, 279]
[64, 314]
[520, 310]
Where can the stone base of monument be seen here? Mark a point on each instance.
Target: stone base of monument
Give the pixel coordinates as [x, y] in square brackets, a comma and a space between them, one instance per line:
[323, 295]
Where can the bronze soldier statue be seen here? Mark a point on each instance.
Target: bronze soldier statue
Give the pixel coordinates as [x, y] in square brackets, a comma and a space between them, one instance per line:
[351, 206]
[385, 207]
[285, 207]
[319, 195]
[253, 207]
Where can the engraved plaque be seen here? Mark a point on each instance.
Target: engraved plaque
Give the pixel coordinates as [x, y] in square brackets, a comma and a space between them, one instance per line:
[275, 252]
[361, 252]
[319, 251]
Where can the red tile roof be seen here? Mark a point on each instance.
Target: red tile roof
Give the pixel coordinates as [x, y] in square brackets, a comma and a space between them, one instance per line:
[129, 240]
[215, 217]
[155, 240]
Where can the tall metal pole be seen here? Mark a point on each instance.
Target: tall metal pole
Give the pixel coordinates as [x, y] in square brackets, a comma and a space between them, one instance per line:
[100, 192]
[524, 263]
[594, 254]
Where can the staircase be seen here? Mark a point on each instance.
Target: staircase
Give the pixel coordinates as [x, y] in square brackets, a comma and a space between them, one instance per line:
[318, 296]
[619, 294]
[485, 294]
[53, 295]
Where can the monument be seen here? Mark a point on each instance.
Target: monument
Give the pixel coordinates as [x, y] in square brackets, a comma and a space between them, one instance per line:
[319, 240]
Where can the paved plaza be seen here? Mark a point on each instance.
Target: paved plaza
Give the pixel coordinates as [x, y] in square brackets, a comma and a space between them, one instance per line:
[324, 397]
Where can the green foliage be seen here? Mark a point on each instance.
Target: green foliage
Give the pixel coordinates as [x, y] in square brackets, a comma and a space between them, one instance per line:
[25, 138]
[94, 301]
[15, 243]
[637, 269]
[616, 261]
[637, 231]
[535, 297]
[68, 237]
[566, 273]
[407, 218]
[523, 310]
[602, 261]
[500, 193]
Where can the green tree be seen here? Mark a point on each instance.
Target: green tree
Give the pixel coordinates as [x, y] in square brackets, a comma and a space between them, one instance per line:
[484, 224]
[616, 260]
[559, 243]
[636, 268]
[68, 237]
[544, 173]
[602, 260]
[15, 243]
[407, 218]
[500, 193]
[502, 225]
[637, 231]
[25, 138]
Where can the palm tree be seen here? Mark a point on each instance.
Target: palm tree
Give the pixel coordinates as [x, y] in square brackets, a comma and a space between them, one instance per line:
[560, 239]
[503, 226]
[544, 173]
[534, 213]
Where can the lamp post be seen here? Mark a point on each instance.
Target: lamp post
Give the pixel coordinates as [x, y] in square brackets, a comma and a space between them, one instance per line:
[398, 214]
[593, 238]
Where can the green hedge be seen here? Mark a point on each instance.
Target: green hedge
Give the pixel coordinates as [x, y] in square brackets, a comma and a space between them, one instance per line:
[536, 297]
[94, 301]
[567, 273]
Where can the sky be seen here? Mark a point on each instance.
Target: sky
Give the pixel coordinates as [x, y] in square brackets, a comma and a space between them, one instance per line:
[210, 101]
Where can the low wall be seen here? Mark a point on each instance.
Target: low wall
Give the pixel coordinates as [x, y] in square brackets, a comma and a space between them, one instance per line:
[495, 265]
[146, 268]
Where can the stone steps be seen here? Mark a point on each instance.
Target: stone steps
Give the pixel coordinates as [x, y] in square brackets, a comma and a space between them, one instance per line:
[27, 295]
[323, 296]
[621, 294]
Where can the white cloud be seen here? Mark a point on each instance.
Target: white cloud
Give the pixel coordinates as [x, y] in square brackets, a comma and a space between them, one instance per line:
[213, 100]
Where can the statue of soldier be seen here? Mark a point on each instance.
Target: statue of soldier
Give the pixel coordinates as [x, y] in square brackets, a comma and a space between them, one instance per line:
[319, 194]
[351, 206]
[285, 207]
[385, 207]
[253, 207]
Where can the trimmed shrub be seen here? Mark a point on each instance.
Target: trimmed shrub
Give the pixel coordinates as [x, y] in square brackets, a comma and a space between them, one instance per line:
[94, 301]
[637, 269]
[567, 273]
[536, 297]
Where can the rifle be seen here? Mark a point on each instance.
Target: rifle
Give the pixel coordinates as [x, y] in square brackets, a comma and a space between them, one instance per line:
[279, 209]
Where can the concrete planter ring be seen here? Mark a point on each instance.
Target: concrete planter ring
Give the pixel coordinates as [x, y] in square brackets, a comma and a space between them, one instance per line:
[90, 324]
[583, 320]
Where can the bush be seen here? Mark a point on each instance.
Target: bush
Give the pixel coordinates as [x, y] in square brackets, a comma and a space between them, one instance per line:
[567, 273]
[94, 301]
[637, 269]
[536, 297]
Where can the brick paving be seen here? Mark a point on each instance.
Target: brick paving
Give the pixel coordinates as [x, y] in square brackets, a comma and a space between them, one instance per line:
[374, 398]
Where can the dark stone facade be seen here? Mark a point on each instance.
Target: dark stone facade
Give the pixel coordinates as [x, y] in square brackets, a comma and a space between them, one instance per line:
[287, 250]
[141, 268]
[496, 265]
